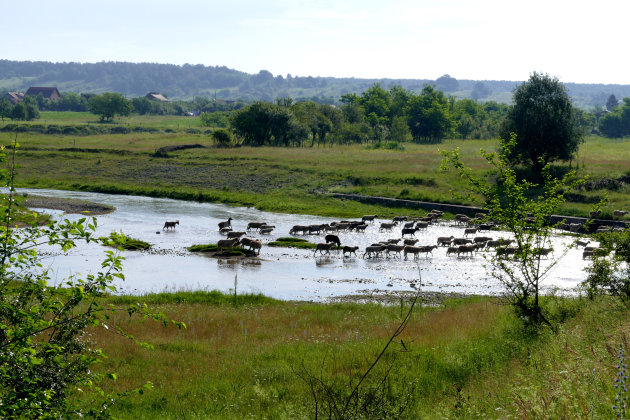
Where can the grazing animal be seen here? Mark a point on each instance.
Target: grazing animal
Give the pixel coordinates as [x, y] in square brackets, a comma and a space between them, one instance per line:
[587, 254]
[466, 249]
[411, 232]
[170, 225]
[266, 230]
[234, 234]
[410, 241]
[350, 250]
[582, 242]
[373, 251]
[227, 223]
[595, 214]
[452, 250]
[397, 219]
[461, 241]
[227, 244]
[409, 224]
[619, 214]
[445, 240]
[481, 239]
[422, 225]
[470, 231]
[543, 252]
[334, 239]
[410, 249]
[386, 226]
[369, 218]
[225, 230]
[255, 246]
[394, 248]
[255, 225]
[323, 247]
[360, 228]
[246, 242]
[298, 228]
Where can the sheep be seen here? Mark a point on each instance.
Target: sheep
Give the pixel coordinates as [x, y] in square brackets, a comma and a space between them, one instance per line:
[170, 225]
[394, 248]
[323, 247]
[234, 234]
[369, 218]
[334, 239]
[445, 240]
[255, 225]
[619, 214]
[422, 225]
[466, 249]
[595, 214]
[482, 239]
[461, 241]
[386, 226]
[225, 230]
[409, 224]
[462, 219]
[373, 250]
[411, 232]
[360, 228]
[350, 250]
[582, 242]
[410, 241]
[543, 252]
[227, 244]
[409, 249]
[255, 246]
[266, 230]
[587, 254]
[315, 229]
[246, 242]
[227, 223]
[504, 251]
[397, 219]
[392, 241]
[470, 231]
[298, 228]
[451, 250]
[427, 249]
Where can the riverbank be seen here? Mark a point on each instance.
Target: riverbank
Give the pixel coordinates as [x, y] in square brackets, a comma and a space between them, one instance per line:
[457, 358]
[288, 180]
[67, 205]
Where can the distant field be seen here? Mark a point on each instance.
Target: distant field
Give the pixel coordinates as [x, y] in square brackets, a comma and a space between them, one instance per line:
[278, 179]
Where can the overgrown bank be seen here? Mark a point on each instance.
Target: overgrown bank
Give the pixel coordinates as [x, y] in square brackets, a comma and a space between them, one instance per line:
[465, 358]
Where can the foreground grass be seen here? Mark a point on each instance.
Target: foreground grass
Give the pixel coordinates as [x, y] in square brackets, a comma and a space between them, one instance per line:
[291, 180]
[467, 358]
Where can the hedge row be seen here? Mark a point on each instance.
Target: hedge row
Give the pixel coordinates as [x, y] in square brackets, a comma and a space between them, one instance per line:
[86, 130]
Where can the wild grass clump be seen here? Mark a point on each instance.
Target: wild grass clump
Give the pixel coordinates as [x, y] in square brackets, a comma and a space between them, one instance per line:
[213, 297]
[213, 248]
[120, 240]
[292, 243]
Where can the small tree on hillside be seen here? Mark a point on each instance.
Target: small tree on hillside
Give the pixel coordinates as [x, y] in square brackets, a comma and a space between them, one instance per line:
[544, 121]
[508, 203]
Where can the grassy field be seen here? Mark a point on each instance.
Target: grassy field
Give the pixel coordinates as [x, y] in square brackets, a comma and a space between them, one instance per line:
[466, 358]
[276, 179]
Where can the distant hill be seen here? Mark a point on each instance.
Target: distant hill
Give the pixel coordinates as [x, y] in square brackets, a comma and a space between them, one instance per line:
[187, 81]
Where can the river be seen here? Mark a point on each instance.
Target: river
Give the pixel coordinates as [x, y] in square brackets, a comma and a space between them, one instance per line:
[281, 273]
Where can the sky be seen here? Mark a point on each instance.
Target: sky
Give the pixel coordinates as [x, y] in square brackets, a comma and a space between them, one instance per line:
[576, 41]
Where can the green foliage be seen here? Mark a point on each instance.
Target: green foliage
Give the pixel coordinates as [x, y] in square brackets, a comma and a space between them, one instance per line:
[292, 243]
[214, 119]
[521, 208]
[108, 105]
[222, 138]
[263, 123]
[45, 353]
[544, 121]
[120, 240]
[609, 273]
[617, 122]
[429, 116]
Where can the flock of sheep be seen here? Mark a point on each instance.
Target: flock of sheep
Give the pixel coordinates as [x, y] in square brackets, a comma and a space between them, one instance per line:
[403, 247]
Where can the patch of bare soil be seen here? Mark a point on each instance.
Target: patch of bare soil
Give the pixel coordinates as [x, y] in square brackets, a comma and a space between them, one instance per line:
[68, 205]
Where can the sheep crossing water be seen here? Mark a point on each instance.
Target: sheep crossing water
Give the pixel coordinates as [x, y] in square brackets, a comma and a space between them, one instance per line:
[170, 225]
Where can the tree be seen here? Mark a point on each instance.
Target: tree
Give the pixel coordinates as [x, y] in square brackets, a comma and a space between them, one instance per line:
[446, 83]
[263, 123]
[5, 108]
[480, 91]
[45, 353]
[616, 123]
[429, 117]
[522, 208]
[222, 137]
[611, 103]
[544, 121]
[108, 105]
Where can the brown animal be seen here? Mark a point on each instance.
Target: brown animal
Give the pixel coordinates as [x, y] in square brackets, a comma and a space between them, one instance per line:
[227, 223]
[369, 218]
[350, 250]
[452, 250]
[386, 226]
[470, 231]
[334, 239]
[234, 234]
[227, 244]
[255, 246]
[255, 225]
[394, 248]
[411, 232]
[466, 249]
[373, 251]
[170, 225]
[617, 214]
[323, 247]
[445, 240]
[410, 241]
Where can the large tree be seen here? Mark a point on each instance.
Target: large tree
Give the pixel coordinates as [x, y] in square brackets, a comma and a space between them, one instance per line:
[429, 116]
[544, 121]
[108, 105]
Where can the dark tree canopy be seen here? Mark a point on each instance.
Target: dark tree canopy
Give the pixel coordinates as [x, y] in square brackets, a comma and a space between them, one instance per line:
[108, 105]
[544, 121]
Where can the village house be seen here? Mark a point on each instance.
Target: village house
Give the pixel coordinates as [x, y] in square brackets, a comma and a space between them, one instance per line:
[154, 96]
[50, 93]
[14, 97]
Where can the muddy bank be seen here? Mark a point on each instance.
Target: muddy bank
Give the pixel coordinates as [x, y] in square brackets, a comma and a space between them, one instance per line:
[68, 205]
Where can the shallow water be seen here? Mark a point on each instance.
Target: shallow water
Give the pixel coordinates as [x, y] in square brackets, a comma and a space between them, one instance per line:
[281, 273]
